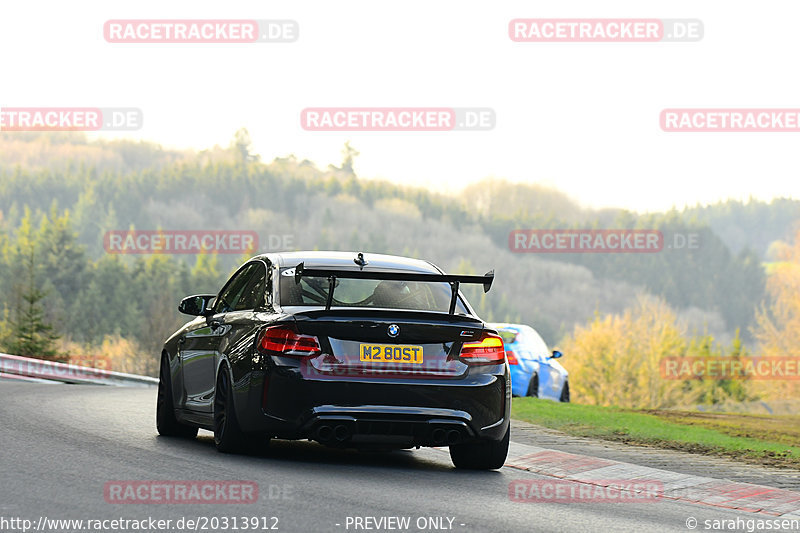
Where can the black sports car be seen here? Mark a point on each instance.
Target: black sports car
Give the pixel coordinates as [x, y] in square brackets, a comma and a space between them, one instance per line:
[350, 350]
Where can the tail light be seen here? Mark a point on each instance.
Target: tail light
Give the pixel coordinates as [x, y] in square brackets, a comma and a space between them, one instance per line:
[488, 350]
[285, 340]
[512, 357]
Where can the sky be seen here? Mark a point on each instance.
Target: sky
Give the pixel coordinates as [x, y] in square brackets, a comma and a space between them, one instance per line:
[579, 116]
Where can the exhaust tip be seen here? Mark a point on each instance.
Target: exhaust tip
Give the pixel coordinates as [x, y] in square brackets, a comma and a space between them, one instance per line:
[341, 432]
[324, 433]
[439, 436]
[453, 436]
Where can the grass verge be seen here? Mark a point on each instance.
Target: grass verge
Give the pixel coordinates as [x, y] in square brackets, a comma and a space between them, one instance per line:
[759, 439]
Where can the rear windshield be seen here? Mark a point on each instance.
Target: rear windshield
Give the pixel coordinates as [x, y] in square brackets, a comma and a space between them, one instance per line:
[412, 295]
[508, 335]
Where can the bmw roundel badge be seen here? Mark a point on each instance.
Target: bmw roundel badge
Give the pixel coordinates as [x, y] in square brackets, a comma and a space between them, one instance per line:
[394, 330]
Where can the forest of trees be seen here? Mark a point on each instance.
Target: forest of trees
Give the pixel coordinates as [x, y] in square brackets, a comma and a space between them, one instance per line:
[60, 193]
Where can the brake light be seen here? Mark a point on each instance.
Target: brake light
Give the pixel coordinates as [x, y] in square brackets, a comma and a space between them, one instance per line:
[512, 357]
[285, 340]
[487, 351]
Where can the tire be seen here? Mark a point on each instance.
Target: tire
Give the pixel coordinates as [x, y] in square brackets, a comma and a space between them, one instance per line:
[533, 386]
[228, 437]
[565, 392]
[482, 455]
[166, 423]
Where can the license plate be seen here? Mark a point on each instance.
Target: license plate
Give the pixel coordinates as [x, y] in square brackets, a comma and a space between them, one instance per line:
[391, 353]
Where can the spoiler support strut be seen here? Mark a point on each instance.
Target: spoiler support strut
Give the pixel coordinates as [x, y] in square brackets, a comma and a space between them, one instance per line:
[454, 287]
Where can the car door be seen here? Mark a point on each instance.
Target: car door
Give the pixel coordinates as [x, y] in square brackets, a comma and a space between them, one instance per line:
[550, 378]
[200, 348]
[240, 322]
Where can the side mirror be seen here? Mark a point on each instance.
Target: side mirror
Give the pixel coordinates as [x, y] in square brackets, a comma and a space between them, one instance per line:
[197, 305]
[556, 354]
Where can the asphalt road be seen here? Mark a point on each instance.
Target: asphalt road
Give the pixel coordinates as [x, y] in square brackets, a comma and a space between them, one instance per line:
[61, 444]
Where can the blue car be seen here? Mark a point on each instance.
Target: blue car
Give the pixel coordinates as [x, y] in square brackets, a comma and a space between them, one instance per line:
[534, 370]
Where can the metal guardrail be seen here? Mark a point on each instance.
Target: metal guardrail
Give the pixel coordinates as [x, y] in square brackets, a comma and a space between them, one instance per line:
[15, 377]
[28, 369]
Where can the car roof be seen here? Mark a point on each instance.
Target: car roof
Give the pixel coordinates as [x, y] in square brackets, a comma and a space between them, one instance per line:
[505, 325]
[512, 327]
[345, 261]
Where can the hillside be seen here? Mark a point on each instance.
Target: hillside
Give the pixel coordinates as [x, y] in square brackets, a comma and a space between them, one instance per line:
[120, 185]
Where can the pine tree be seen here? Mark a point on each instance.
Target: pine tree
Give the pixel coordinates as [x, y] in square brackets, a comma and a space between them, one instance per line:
[31, 335]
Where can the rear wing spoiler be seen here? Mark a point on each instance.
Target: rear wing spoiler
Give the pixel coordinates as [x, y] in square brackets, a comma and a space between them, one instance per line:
[300, 271]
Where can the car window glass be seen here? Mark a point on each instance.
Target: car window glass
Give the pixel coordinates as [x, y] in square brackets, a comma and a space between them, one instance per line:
[386, 294]
[233, 291]
[508, 335]
[253, 294]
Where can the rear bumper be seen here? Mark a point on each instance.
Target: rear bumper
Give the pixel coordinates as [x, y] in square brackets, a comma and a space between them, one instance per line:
[383, 425]
[393, 413]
